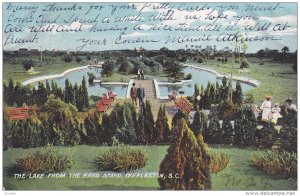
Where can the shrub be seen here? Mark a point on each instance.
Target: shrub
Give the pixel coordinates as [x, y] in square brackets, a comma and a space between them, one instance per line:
[27, 64]
[276, 162]
[189, 76]
[45, 160]
[218, 160]
[261, 63]
[68, 58]
[78, 59]
[121, 158]
[200, 60]
[245, 63]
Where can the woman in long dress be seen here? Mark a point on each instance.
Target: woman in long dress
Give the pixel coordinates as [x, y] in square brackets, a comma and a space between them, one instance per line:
[266, 109]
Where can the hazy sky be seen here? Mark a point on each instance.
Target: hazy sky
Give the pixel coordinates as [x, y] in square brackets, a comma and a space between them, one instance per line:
[24, 17]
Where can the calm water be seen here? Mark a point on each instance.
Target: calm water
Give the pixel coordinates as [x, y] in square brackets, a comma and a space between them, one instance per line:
[198, 76]
[93, 89]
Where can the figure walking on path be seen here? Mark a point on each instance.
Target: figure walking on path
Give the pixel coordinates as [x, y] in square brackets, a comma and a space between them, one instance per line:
[266, 109]
[133, 94]
[142, 74]
[141, 95]
[138, 74]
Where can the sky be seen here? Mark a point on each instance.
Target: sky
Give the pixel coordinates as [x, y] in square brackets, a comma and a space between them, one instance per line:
[21, 18]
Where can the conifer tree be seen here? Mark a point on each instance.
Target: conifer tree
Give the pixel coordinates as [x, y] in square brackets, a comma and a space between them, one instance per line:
[41, 94]
[196, 94]
[48, 87]
[140, 132]
[76, 96]
[196, 125]
[84, 94]
[212, 94]
[166, 127]
[186, 165]
[10, 93]
[161, 130]
[238, 94]
[148, 121]
[228, 132]
[201, 102]
[217, 92]
[245, 126]
[213, 133]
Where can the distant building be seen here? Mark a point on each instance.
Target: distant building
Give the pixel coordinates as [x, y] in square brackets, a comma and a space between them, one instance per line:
[23, 50]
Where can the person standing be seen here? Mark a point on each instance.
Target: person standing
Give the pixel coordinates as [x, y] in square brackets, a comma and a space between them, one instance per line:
[133, 94]
[139, 74]
[276, 113]
[290, 106]
[142, 74]
[266, 109]
[141, 95]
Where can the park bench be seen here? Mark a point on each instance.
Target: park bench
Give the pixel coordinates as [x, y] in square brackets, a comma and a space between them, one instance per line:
[106, 101]
[101, 107]
[111, 95]
[18, 113]
[184, 105]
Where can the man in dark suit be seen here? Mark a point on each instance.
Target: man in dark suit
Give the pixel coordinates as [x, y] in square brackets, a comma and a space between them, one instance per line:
[141, 95]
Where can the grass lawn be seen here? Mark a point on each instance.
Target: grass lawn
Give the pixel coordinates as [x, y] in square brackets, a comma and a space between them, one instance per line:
[238, 175]
[51, 65]
[276, 78]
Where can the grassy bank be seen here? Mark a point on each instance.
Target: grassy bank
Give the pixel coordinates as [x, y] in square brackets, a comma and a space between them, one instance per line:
[276, 78]
[238, 175]
[51, 65]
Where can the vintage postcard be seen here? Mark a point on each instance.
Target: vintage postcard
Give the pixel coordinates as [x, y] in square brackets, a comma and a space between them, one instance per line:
[150, 96]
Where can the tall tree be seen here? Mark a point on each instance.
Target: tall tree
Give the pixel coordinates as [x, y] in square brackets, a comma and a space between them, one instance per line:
[84, 94]
[238, 94]
[149, 121]
[161, 130]
[245, 126]
[196, 94]
[10, 93]
[186, 165]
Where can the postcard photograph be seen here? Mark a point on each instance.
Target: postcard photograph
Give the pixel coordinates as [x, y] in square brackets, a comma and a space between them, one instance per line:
[149, 96]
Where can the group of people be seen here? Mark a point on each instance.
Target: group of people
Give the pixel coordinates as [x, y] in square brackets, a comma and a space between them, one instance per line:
[137, 93]
[140, 74]
[272, 114]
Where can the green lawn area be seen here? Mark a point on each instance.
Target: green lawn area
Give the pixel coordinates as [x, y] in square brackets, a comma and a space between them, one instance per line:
[239, 175]
[51, 65]
[276, 78]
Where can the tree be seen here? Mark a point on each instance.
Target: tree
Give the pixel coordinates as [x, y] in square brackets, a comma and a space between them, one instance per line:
[78, 59]
[68, 58]
[238, 94]
[186, 165]
[84, 94]
[245, 126]
[68, 93]
[228, 132]
[213, 133]
[41, 94]
[93, 129]
[148, 121]
[196, 126]
[108, 68]
[174, 70]
[92, 77]
[27, 64]
[9, 93]
[285, 49]
[196, 94]
[161, 130]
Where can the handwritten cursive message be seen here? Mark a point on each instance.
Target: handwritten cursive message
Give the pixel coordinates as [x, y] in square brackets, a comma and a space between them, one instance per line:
[100, 26]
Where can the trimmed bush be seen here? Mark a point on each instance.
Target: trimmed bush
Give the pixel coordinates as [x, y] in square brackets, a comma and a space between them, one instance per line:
[218, 160]
[121, 158]
[276, 162]
[189, 76]
[45, 160]
[245, 63]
